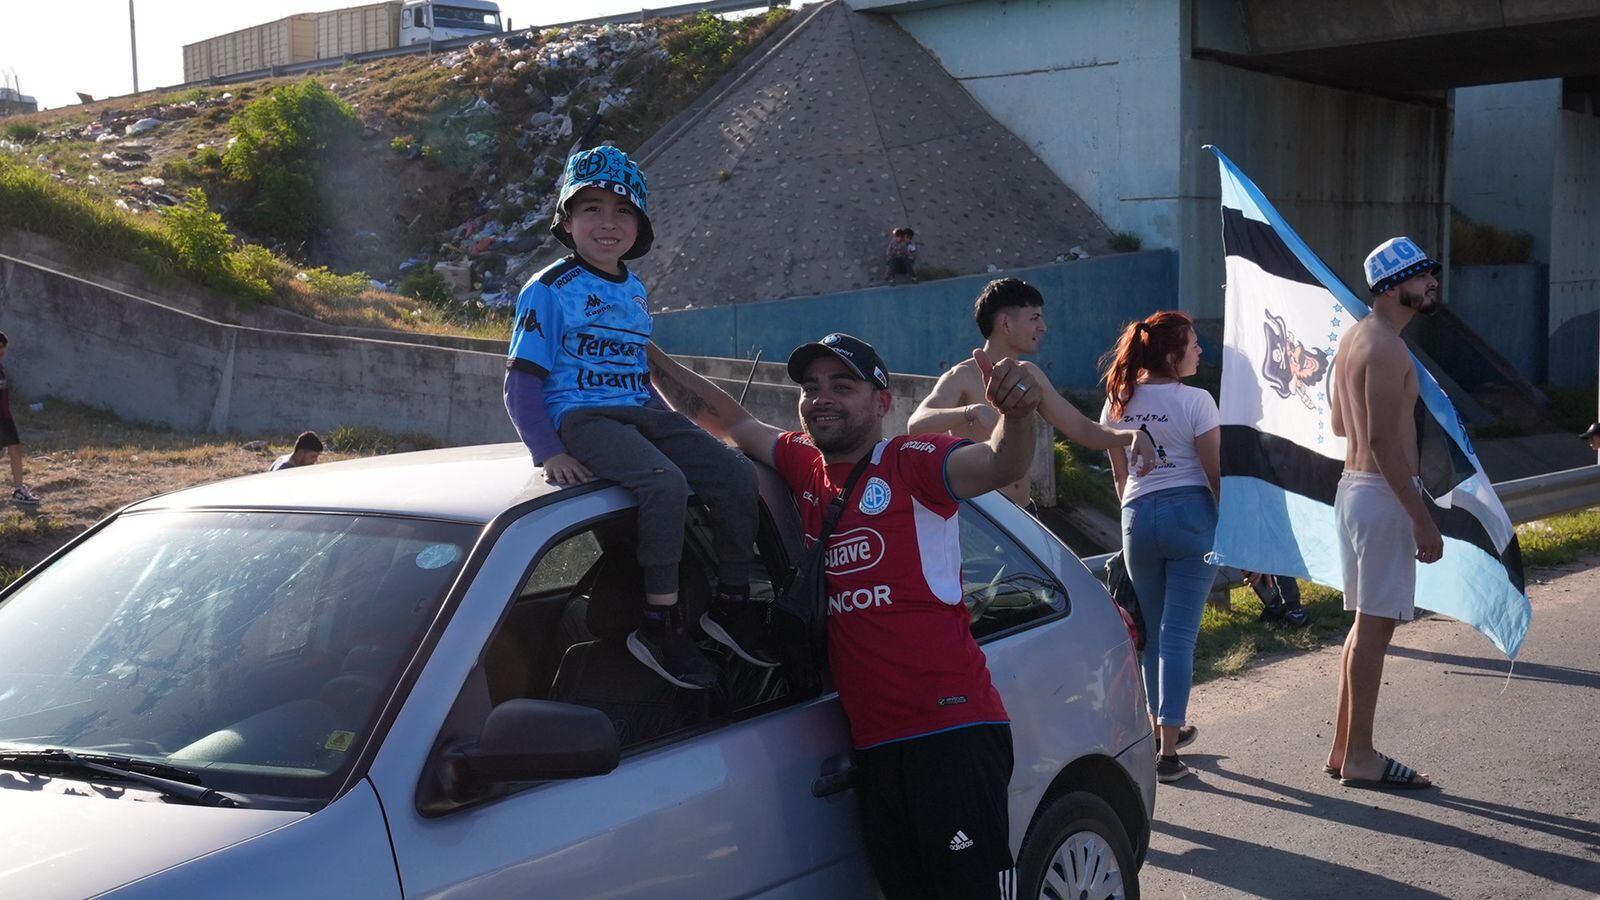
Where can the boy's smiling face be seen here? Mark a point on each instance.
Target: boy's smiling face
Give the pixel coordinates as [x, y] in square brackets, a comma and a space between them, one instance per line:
[603, 226]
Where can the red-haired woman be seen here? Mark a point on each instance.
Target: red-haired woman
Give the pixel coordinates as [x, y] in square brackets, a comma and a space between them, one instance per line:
[1169, 515]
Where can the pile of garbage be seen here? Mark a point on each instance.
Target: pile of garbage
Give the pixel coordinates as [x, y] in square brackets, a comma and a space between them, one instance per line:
[486, 257]
[117, 124]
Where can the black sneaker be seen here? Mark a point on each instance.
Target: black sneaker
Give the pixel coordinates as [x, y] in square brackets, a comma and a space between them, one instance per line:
[741, 626]
[668, 652]
[1170, 768]
[1296, 617]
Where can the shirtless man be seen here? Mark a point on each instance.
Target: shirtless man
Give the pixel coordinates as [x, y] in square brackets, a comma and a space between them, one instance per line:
[1383, 519]
[1010, 316]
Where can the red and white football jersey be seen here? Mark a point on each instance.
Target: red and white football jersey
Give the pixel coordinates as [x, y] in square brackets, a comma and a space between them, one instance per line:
[899, 638]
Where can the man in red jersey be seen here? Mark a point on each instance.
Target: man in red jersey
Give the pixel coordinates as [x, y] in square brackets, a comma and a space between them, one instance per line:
[932, 738]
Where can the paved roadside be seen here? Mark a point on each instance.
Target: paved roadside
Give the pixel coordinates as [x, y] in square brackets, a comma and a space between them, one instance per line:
[1518, 812]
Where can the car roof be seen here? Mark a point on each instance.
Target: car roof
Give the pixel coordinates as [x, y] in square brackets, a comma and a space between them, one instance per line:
[470, 484]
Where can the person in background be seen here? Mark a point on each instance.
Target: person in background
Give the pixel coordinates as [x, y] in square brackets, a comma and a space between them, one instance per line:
[1010, 316]
[9, 439]
[1169, 514]
[1592, 436]
[307, 448]
[902, 254]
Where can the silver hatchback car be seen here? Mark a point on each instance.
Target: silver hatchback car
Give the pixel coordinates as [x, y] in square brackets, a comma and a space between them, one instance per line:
[407, 677]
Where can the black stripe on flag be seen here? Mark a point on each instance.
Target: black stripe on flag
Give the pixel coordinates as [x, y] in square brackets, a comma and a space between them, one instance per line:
[1257, 242]
[1279, 461]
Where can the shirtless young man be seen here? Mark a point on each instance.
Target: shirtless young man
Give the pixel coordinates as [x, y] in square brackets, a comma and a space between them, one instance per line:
[1384, 524]
[1010, 316]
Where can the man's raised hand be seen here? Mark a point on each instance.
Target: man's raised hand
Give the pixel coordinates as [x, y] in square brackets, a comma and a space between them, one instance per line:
[1007, 385]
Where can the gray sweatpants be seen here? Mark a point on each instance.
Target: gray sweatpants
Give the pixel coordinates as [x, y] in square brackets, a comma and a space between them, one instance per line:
[659, 454]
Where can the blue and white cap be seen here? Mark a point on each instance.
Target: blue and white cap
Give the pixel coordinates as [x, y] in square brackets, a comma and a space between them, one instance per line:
[612, 170]
[1395, 260]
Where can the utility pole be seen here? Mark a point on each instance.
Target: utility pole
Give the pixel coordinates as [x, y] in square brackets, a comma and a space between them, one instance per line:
[133, 44]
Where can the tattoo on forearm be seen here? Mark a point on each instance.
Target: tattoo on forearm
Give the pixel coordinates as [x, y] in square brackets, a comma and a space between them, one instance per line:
[684, 398]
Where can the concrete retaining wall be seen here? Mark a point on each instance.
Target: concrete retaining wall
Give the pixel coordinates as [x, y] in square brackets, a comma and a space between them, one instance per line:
[147, 362]
[925, 328]
[1575, 250]
[1506, 305]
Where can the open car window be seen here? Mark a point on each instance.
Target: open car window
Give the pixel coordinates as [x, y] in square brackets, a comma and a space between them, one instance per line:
[1003, 587]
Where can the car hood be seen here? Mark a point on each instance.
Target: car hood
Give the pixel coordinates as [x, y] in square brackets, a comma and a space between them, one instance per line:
[66, 838]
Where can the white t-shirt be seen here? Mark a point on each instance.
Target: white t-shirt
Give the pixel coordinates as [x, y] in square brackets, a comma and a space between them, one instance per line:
[1174, 414]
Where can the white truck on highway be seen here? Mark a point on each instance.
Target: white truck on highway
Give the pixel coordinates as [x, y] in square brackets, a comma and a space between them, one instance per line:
[336, 33]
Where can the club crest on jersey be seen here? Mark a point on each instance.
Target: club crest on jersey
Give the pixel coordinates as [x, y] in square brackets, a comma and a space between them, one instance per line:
[875, 496]
[641, 303]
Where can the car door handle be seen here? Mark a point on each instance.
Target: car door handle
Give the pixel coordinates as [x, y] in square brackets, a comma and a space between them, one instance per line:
[838, 774]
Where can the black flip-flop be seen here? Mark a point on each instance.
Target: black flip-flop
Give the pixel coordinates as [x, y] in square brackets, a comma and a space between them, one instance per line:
[1331, 771]
[1187, 735]
[1397, 776]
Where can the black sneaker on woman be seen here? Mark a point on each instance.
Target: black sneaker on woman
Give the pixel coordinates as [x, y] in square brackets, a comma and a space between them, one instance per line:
[1170, 768]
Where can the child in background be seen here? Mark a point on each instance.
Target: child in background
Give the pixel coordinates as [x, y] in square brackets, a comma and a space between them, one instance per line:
[578, 391]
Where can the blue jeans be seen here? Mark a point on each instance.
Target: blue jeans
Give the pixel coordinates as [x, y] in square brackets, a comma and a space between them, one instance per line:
[1165, 539]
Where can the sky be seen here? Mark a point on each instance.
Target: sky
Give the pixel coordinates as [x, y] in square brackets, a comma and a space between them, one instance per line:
[52, 52]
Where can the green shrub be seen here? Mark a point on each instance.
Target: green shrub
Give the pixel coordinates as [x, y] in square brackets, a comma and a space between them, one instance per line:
[369, 440]
[400, 144]
[208, 159]
[429, 286]
[1474, 243]
[22, 132]
[199, 235]
[1125, 242]
[256, 268]
[178, 170]
[283, 142]
[702, 47]
[332, 284]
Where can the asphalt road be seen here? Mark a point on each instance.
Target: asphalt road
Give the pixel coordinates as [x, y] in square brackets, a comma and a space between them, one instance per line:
[1518, 810]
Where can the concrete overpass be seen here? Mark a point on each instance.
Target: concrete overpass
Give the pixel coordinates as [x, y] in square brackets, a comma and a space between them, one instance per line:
[1394, 48]
[1342, 110]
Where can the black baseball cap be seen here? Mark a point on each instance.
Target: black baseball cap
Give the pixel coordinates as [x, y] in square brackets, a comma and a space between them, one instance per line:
[1591, 431]
[857, 355]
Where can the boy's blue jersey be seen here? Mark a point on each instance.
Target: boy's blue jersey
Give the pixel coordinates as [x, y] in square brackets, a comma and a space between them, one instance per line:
[584, 332]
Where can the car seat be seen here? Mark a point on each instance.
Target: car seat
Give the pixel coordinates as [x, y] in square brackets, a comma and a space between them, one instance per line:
[602, 674]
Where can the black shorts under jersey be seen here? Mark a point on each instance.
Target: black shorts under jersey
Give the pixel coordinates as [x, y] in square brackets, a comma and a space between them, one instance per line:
[934, 816]
[8, 432]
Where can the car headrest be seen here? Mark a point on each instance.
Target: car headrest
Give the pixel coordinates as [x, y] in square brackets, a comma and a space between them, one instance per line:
[616, 596]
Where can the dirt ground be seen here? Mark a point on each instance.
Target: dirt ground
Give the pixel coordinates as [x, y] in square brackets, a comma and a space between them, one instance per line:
[86, 464]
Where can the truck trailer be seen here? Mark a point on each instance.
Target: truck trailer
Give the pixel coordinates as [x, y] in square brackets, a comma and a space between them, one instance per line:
[329, 35]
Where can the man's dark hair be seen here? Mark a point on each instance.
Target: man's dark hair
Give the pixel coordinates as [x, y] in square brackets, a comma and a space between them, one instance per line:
[1000, 294]
[308, 440]
[4, 341]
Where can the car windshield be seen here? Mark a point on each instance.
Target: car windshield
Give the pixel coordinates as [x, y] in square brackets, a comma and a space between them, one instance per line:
[254, 649]
[457, 17]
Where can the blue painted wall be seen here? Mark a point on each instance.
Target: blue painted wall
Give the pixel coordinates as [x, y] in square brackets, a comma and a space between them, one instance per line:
[923, 329]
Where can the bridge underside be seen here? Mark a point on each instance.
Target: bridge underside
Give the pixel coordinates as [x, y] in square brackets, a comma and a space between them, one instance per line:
[1364, 45]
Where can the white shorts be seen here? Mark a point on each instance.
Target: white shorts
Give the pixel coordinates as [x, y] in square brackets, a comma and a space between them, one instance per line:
[1376, 548]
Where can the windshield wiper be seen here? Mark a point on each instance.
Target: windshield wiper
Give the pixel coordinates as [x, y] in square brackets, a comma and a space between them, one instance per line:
[121, 767]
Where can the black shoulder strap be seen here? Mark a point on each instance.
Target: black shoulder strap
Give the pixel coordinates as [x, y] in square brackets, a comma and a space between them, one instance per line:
[836, 508]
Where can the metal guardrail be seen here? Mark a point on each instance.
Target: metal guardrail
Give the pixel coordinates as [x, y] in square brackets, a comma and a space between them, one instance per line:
[1525, 499]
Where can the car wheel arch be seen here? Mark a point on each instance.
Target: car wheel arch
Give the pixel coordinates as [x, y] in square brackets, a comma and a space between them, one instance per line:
[1103, 777]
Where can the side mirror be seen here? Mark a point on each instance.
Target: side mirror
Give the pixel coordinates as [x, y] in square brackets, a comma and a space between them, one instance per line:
[539, 740]
[522, 741]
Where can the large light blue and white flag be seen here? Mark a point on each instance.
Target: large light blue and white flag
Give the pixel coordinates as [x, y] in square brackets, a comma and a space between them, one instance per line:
[1286, 313]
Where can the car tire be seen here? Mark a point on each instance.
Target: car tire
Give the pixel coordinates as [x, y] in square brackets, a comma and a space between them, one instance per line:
[1077, 848]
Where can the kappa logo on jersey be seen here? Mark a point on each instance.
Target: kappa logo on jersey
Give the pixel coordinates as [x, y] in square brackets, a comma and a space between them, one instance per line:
[855, 550]
[594, 306]
[530, 322]
[875, 496]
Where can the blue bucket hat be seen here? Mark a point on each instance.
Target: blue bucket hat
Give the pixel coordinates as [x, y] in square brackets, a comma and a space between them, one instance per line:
[612, 170]
[1395, 260]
